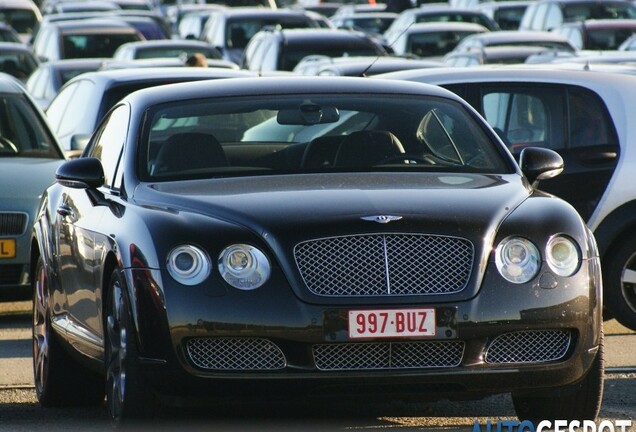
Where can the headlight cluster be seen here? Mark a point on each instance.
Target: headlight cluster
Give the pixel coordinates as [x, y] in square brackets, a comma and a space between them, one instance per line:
[518, 259]
[188, 265]
[242, 266]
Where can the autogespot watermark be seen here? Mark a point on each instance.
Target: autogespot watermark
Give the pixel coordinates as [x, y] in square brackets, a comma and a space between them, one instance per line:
[553, 426]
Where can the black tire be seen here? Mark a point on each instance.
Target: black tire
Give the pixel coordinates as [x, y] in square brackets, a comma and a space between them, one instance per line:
[580, 401]
[128, 397]
[619, 282]
[60, 381]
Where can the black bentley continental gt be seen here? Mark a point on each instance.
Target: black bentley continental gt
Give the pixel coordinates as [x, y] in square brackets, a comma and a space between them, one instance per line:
[311, 237]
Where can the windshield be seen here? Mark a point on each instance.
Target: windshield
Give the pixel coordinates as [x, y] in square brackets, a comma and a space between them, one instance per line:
[22, 132]
[314, 133]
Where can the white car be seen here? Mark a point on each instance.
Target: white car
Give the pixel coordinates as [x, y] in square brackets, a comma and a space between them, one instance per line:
[585, 116]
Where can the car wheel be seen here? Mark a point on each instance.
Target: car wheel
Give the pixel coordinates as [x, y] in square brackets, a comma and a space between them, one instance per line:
[59, 379]
[126, 394]
[580, 401]
[619, 283]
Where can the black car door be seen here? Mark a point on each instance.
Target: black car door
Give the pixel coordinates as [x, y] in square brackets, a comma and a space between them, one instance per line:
[571, 120]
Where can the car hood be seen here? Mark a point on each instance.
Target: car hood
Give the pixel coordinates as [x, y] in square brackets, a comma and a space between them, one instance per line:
[24, 180]
[319, 205]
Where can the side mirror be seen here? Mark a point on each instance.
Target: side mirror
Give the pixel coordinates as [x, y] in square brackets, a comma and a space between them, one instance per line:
[540, 163]
[81, 173]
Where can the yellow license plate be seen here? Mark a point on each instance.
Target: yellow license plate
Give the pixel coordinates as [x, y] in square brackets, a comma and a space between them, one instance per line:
[7, 248]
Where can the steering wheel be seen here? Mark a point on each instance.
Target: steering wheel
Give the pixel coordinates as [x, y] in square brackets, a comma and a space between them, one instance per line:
[6, 143]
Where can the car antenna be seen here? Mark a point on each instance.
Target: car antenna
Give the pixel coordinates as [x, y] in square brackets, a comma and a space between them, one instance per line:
[366, 70]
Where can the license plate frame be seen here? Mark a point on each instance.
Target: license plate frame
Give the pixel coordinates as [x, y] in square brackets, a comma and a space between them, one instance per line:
[7, 248]
[394, 323]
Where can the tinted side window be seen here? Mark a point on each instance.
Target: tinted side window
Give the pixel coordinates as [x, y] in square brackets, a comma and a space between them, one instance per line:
[108, 143]
[590, 123]
[526, 116]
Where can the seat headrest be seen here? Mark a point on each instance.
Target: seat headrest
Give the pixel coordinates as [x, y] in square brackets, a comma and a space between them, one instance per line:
[191, 150]
[367, 148]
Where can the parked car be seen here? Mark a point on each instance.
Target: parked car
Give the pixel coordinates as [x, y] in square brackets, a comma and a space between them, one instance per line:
[80, 105]
[164, 48]
[17, 59]
[20, 15]
[602, 34]
[73, 6]
[516, 37]
[8, 34]
[176, 13]
[29, 156]
[82, 38]
[434, 40]
[281, 50]
[213, 266]
[164, 62]
[191, 23]
[582, 114]
[507, 14]
[47, 79]
[230, 30]
[628, 44]
[437, 12]
[358, 66]
[499, 54]
[547, 14]
[374, 24]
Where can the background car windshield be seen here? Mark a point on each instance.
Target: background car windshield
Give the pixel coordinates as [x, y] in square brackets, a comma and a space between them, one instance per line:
[20, 134]
[309, 133]
[95, 45]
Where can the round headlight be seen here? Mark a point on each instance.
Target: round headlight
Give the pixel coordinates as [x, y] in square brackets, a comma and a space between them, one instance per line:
[517, 259]
[243, 266]
[188, 265]
[562, 256]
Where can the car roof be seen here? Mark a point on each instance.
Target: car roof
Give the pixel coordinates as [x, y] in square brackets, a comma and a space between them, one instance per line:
[18, 4]
[378, 65]
[11, 85]
[299, 34]
[128, 75]
[541, 73]
[281, 85]
[445, 26]
[14, 46]
[169, 43]
[93, 24]
[257, 12]
[609, 23]
[518, 36]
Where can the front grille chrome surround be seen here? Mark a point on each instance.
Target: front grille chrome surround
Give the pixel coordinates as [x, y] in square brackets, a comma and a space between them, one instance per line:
[13, 223]
[235, 354]
[388, 355]
[385, 264]
[536, 346]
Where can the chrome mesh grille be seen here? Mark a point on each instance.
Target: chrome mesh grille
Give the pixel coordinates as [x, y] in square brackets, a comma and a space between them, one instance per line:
[235, 354]
[12, 223]
[385, 264]
[529, 346]
[388, 355]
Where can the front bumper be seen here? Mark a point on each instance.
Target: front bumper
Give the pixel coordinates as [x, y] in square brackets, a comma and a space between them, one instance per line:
[226, 342]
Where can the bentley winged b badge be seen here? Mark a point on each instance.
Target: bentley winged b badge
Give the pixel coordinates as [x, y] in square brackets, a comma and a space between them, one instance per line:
[383, 219]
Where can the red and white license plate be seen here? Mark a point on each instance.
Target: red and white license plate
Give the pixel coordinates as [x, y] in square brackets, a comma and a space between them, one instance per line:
[394, 323]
